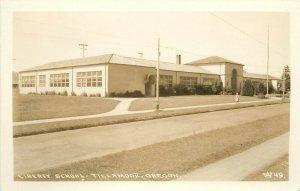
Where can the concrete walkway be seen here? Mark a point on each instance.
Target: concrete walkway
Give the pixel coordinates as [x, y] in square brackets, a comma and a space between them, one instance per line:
[238, 166]
[122, 109]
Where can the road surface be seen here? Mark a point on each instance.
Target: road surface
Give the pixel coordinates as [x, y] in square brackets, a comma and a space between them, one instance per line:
[42, 151]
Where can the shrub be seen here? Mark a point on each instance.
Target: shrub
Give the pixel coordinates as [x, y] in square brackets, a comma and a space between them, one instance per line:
[207, 90]
[248, 88]
[73, 93]
[64, 93]
[135, 93]
[182, 90]
[261, 89]
[51, 93]
[271, 88]
[95, 95]
[112, 94]
[199, 90]
[84, 94]
[42, 93]
[219, 89]
[228, 91]
[166, 91]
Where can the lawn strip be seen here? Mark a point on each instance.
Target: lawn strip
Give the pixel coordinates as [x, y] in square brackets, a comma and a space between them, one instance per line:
[34, 129]
[183, 101]
[34, 107]
[176, 157]
[277, 171]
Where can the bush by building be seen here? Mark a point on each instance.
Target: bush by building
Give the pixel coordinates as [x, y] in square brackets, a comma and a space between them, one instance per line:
[166, 91]
[248, 89]
[261, 89]
[182, 90]
[135, 93]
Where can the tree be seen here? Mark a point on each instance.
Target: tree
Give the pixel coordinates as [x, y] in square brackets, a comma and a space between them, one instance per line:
[286, 75]
[248, 88]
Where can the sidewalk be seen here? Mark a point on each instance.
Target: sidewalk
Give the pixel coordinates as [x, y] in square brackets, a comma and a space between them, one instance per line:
[238, 166]
[122, 109]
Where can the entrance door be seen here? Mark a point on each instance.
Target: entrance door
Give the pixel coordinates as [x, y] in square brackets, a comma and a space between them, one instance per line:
[234, 81]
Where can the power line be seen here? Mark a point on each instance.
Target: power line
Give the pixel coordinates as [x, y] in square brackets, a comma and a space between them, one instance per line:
[246, 34]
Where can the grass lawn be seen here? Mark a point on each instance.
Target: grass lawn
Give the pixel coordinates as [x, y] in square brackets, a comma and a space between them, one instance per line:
[181, 101]
[176, 157]
[31, 107]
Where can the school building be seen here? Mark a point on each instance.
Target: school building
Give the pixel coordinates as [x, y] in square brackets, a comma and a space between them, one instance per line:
[111, 73]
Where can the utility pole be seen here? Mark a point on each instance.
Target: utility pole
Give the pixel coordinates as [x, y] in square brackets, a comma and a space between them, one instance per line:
[83, 48]
[268, 65]
[283, 88]
[157, 75]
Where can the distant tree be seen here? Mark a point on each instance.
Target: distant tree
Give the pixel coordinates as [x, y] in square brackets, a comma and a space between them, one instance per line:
[248, 88]
[286, 75]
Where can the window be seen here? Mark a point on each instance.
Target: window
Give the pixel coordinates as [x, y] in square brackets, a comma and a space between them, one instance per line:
[166, 80]
[189, 82]
[42, 80]
[28, 81]
[208, 81]
[89, 79]
[59, 80]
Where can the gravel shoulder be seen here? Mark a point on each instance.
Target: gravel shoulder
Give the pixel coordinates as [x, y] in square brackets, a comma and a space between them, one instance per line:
[168, 160]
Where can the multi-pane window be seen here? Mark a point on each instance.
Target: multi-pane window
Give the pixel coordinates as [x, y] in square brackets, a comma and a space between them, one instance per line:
[208, 81]
[28, 81]
[42, 80]
[189, 82]
[166, 80]
[89, 79]
[59, 80]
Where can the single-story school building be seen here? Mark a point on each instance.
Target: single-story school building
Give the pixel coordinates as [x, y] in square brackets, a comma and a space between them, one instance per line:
[111, 73]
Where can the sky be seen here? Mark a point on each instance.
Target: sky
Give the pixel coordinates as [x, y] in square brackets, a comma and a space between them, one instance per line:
[42, 37]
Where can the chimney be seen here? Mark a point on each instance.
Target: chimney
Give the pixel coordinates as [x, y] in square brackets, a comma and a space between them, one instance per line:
[178, 59]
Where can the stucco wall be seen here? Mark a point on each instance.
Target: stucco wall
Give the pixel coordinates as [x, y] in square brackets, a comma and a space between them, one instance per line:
[228, 74]
[218, 68]
[72, 81]
[122, 78]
